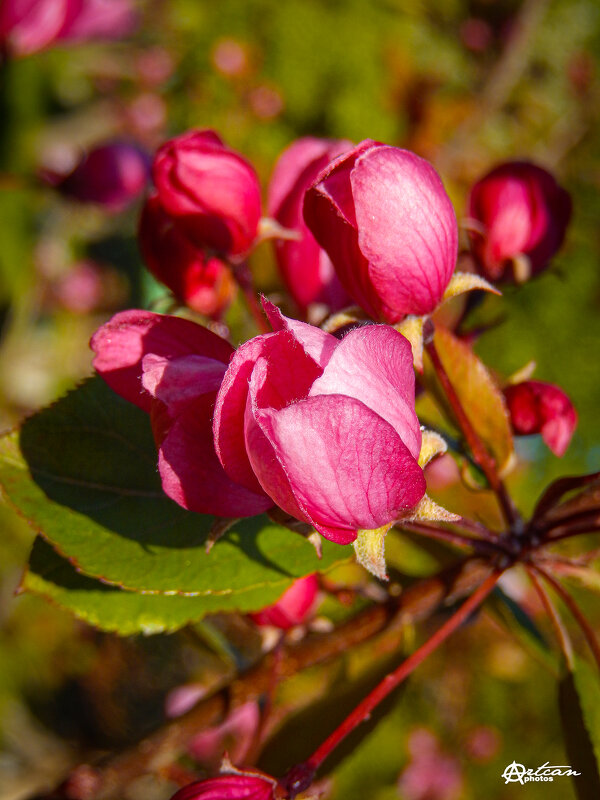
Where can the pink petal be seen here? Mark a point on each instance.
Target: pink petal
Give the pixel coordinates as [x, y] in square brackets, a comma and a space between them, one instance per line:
[292, 162]
[121, 344]
[293, 607]
[345, 464]
[317, 343]
[230, 406]
[375, 364]
[190, 470]
[178, 381]
[407, 229]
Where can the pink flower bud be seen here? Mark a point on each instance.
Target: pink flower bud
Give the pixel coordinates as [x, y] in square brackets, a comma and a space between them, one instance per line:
[293, 607]
[522, 212]
[28, 26]
[326, 428]
[243, 786]
[537, 407]
[172, 368]
[101, 19]
[209, 190]
[385, 220]
[111, 175]
[305, 267]
[202, 282]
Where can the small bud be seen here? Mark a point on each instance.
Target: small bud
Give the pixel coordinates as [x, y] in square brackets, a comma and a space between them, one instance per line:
[521, 216]
[209, 190]
[111, 175]
[537, 407]
[293, 607]
[204, 283]
[242, 786]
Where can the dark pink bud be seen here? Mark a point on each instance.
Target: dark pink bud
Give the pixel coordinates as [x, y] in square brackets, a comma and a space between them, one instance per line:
[101, 19]
[305, 267]
[385, 220]
[172, 368]
[210, 190]
[243, 786]
[537, 407]
[27, 26]
[293, 607]
[522, 211]
[111, 175]
[202, 282]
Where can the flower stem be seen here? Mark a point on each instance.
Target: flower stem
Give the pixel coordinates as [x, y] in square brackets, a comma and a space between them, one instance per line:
[307, 770]
[577, 613]
[483, 459]
[561, 632]
[243, 278]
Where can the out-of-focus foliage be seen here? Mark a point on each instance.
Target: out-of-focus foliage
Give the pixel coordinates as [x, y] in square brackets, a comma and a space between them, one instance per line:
[465, 84]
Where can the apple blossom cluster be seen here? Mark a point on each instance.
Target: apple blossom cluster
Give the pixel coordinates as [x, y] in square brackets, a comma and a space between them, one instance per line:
[318, 424]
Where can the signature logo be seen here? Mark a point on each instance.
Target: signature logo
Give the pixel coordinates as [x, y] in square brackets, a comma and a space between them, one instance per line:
[518, 773]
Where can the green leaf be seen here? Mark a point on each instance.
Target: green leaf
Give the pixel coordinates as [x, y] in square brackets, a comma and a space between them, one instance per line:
[579, 702]
[83, 473]
[481, 398]
[116, 610]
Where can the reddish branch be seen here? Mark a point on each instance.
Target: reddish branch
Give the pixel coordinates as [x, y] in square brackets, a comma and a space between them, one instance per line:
[108, 780]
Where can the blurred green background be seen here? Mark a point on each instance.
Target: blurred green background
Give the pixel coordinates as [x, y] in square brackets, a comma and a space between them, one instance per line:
[465, 84]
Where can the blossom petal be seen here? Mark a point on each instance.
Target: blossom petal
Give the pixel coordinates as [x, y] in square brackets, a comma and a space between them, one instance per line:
[177, 381]
[316, 342]
[121, 344]
[190, 470]
[374, 364]
[345, 464]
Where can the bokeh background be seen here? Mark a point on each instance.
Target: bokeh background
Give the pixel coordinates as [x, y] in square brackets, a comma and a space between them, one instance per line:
[464, 84]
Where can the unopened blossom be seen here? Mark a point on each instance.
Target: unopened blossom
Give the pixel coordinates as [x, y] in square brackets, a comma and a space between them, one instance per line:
[293, 607]
[383, 216]
[209, 190]
[537, 407]
[243, 786]
[326, 428]
[111, 175]
[172, 369]
[518, 218]
[199, 280]
[304, 266]
[28, 26]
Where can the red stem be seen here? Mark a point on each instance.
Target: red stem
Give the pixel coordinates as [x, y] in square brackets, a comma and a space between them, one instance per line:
[477, 447]
[243, 277]
[577, 613]
[452, 537]
[557, 623]
[394, 679]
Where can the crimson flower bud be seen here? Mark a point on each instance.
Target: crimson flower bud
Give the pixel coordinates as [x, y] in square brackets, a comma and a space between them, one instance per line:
[111, 175]
[385, 220]
[293, 607]
[28, 26]
[537, 407]
[305, 267]
[248, 786]
[209, 190]
[202, 282]
[523, 212]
